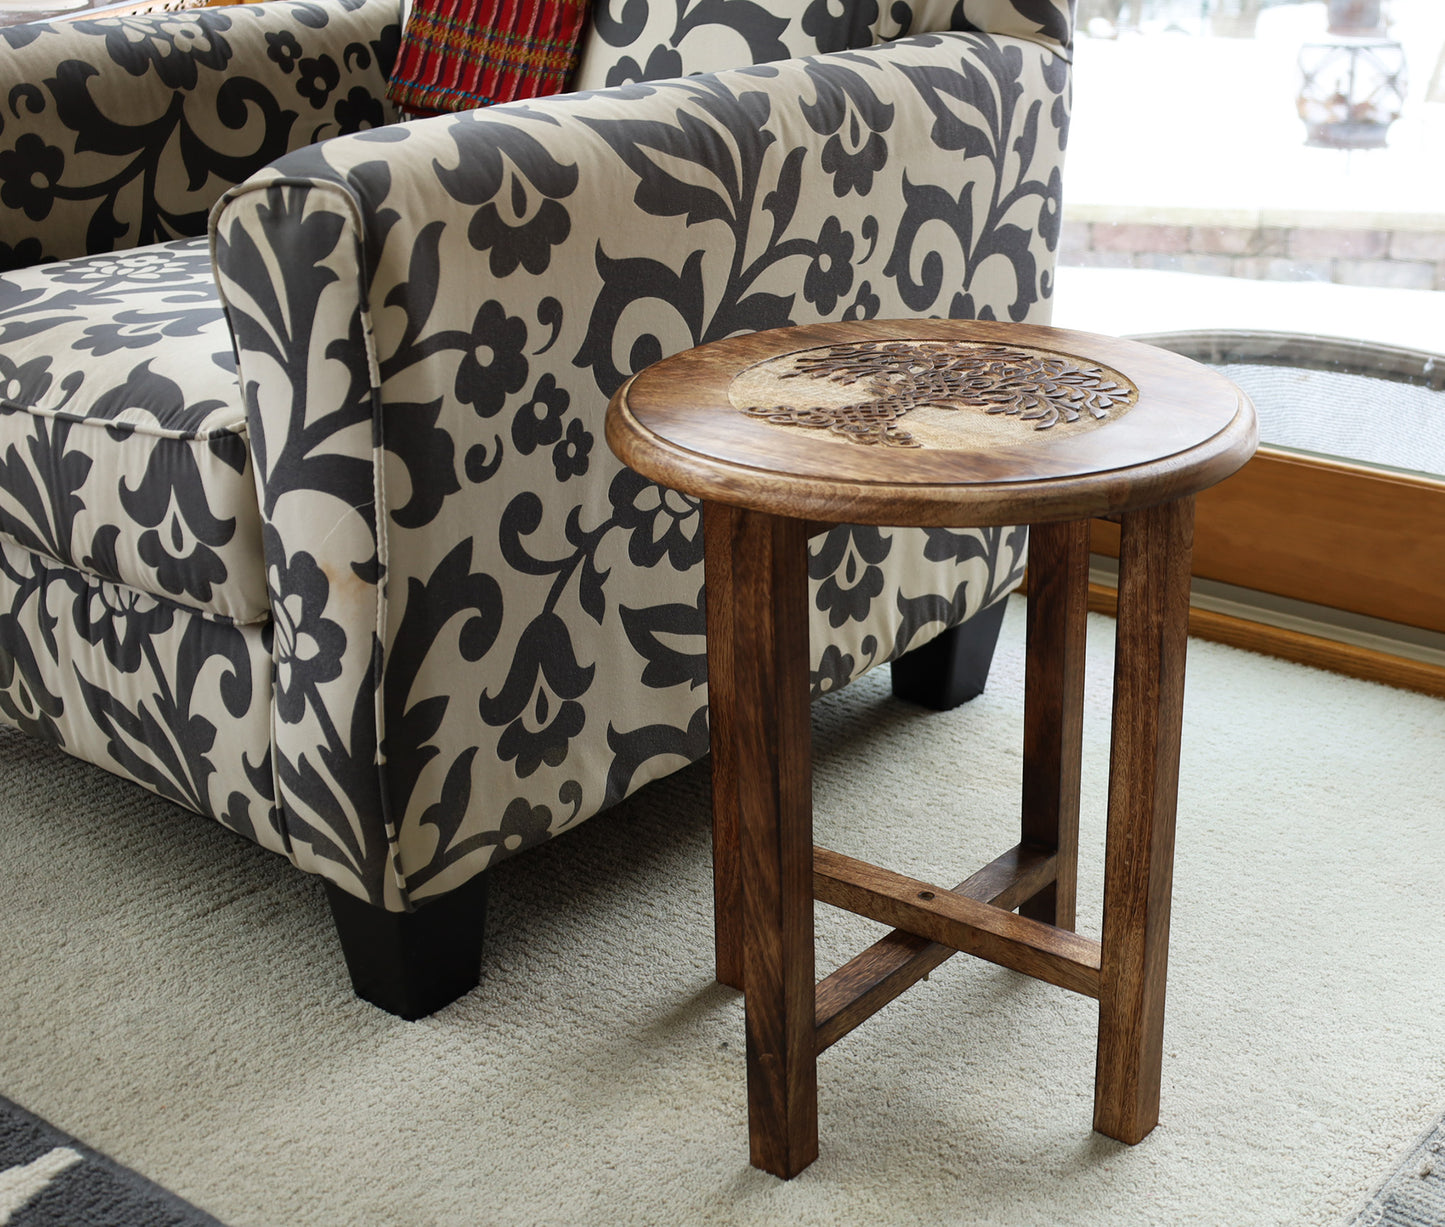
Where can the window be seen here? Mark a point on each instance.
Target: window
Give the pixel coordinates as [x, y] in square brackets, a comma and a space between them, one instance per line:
[1261, 185]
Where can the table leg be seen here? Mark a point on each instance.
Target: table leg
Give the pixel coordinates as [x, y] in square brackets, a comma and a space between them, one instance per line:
[1152, 635]
[1054, 709]
[757, 611]
[727, 872]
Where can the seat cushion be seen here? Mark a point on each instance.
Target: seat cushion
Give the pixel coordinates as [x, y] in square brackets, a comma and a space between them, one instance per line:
[123, 448]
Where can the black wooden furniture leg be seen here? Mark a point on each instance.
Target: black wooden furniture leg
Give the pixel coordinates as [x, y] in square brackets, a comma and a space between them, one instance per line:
[413, 963]
[953, 668]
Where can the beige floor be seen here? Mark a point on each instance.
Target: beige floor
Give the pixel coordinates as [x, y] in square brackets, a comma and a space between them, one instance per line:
[172, 995]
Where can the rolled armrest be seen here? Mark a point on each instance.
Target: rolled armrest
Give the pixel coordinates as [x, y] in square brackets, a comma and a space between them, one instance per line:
[123, 131]
[501, 627]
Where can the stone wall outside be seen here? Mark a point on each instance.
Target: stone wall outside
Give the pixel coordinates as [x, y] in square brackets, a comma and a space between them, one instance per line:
[1396, 258]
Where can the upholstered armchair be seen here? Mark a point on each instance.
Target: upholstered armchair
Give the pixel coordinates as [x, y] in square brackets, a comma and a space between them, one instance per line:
[307, 523]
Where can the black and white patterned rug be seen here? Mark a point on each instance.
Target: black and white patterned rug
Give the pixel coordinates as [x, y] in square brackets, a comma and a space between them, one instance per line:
[49, 1179]
[1414, 1196]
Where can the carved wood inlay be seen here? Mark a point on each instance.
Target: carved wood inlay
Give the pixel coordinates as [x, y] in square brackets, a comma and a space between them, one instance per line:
[1036, 387]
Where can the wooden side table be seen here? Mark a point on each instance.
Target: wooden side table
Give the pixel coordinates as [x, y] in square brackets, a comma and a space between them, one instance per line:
[939, 423]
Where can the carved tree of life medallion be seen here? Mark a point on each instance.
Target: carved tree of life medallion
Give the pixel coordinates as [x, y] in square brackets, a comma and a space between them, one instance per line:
[862, 391]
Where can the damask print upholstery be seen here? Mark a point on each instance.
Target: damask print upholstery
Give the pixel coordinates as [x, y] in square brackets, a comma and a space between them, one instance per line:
[134, 465]
[387, 548]
[118, 132]
[169, 697]
[647, 42]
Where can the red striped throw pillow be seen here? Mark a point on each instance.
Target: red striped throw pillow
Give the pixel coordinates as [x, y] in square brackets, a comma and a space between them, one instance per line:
[459, 54]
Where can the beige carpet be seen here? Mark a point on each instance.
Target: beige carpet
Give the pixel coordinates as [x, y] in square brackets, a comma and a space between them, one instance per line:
[173, 996]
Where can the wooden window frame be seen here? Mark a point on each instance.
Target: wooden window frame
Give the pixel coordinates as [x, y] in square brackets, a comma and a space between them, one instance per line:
[1328, 532]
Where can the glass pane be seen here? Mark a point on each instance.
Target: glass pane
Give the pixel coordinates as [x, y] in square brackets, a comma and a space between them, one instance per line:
[1271, 170]
[1314, 410]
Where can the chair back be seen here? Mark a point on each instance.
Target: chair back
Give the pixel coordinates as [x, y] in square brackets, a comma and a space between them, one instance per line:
[122, 131]
[634, 40]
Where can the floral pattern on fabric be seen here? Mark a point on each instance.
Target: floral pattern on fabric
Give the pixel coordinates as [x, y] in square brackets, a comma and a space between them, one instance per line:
[122, 131]
[386, 603]
[123, 443]
[566, 665]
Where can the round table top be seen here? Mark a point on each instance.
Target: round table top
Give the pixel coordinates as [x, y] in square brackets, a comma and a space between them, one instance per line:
[932, 423]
